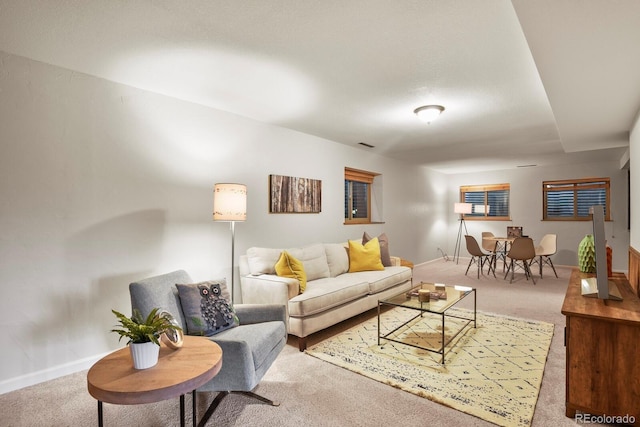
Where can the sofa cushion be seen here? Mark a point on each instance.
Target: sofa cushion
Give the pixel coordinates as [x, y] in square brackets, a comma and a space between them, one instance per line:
[289, 266]
[364, 257]
[324, 294]
[314, 259]
[206, 307]
[379, 282]
[337, 258]
[385, 255]
[262, 260]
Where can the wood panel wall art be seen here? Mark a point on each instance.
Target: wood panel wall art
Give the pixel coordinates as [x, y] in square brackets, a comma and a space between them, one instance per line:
[288, 194]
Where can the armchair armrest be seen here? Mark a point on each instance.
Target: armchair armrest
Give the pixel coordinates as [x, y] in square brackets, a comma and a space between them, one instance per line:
[258, 313]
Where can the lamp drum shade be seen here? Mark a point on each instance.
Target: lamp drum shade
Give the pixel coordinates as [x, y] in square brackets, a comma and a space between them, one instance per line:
[462, 208]
[483, 209]
[229, 202]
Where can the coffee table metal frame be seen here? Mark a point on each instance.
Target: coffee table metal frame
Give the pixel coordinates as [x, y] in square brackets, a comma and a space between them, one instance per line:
[455, 294]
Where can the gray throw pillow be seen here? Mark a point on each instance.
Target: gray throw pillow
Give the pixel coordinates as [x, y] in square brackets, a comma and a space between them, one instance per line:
[206, 307]
[385, 256]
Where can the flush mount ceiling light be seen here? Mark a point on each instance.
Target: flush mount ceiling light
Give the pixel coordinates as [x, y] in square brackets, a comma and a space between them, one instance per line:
[428, 113]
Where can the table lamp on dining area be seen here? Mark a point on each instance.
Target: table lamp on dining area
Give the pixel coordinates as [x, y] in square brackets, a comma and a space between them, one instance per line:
[461, 209]
[230, 205]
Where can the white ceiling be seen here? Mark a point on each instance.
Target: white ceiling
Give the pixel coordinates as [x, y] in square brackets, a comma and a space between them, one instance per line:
[523, 82]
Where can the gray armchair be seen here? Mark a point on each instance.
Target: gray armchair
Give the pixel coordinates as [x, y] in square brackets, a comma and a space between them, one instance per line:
[248, 350]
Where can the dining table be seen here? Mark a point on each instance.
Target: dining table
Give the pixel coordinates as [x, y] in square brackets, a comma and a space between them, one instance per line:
[502, 249]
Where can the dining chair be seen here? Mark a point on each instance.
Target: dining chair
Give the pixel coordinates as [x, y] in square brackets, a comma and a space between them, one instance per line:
[520, 255]
[492, 246]
[478, 256]
[544, 250]
[488, 244]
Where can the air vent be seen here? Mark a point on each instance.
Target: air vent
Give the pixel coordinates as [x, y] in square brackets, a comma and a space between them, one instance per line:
[527, 166]
[365, 144]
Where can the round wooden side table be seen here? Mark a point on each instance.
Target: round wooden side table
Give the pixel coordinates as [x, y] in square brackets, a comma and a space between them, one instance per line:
[113, 379]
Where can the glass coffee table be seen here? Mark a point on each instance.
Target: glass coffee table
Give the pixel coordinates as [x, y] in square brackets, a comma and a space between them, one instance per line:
[415, 299]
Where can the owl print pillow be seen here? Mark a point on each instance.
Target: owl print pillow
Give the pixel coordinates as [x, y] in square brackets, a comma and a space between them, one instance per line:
[207, 307]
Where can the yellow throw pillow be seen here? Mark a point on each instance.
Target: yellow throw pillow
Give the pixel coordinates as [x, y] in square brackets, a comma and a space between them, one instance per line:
[364, 257]
[288, 266]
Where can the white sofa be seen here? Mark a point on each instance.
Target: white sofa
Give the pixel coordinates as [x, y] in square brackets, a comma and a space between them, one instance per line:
[332, 293]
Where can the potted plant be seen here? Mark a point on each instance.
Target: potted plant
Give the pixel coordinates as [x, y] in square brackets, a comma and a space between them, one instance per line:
[143, 334]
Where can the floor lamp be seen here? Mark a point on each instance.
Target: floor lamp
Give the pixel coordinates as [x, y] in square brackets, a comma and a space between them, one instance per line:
[461, 209]
[230, 205]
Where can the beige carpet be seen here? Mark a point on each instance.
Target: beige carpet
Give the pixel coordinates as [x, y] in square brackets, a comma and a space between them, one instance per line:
[493, 372]
[320, 394]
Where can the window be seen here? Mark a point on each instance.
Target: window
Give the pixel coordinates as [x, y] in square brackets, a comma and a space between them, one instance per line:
[570, 200]
[490, 202]
[357, 196]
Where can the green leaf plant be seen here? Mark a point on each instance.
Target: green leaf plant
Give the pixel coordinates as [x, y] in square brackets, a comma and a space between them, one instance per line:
[140, 330]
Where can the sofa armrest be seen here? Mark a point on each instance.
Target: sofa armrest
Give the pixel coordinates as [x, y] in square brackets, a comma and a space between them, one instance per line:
[258, 313]
[268, 289]
[396, 261]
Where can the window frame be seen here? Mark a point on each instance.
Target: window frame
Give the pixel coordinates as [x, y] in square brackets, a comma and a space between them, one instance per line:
[486, 188]
[575, 185]
[357, 175]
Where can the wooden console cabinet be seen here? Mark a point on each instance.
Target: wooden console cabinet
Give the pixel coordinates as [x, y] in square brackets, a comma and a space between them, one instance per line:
[602, 340]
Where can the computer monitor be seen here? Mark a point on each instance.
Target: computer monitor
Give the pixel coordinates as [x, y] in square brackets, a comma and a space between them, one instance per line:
[600, 286]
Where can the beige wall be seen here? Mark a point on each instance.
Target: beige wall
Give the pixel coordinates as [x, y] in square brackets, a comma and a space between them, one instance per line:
[103, 184]
[526, 207]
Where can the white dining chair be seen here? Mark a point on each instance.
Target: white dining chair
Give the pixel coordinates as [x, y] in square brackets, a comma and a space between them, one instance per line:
[495, 247]
[544, 250]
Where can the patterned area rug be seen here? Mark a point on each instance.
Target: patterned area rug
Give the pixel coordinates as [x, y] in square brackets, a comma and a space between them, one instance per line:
[493, 372]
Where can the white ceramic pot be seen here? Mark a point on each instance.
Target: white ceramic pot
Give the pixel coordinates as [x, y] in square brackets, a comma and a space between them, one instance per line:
[144, 355]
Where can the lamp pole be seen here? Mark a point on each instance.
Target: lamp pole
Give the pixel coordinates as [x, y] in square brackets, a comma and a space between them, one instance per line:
[232, 225]
[456, 252]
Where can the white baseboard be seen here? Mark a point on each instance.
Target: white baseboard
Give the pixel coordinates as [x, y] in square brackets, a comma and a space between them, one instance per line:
[33, 378]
